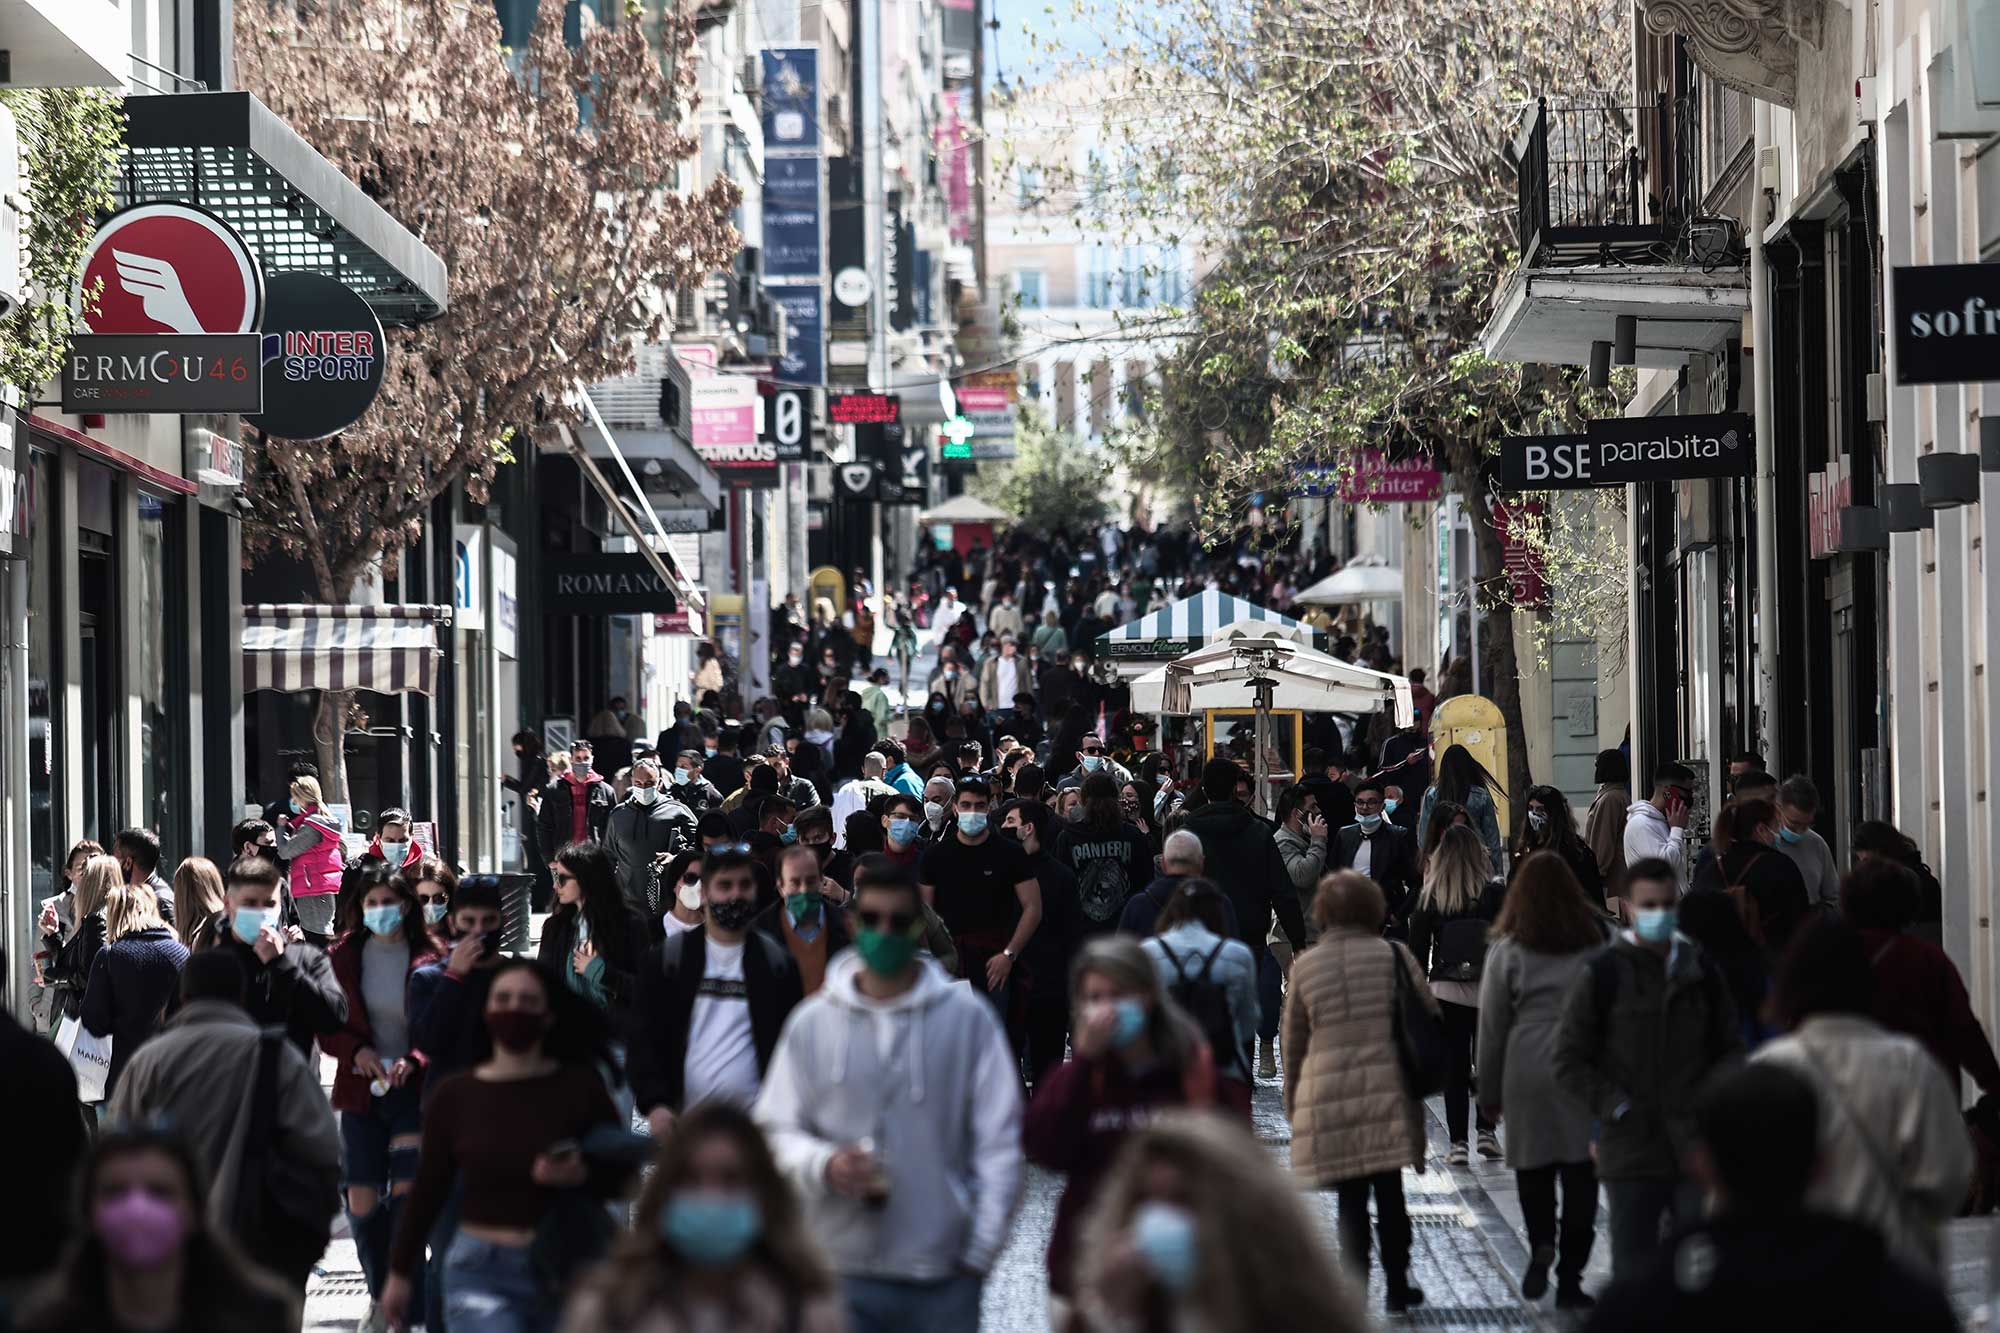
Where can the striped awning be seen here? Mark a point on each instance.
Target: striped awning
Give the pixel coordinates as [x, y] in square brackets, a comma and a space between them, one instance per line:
[386, 649]
[1184, 626]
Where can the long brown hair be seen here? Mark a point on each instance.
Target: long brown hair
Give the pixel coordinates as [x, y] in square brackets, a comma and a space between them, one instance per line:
[1263, 1261]
[1545, 909]
[644, 1274]
[198, 897]
[1174, 1037]
[1457, 874]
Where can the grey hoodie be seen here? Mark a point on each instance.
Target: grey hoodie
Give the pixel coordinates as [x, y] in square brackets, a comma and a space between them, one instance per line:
[930, 1078]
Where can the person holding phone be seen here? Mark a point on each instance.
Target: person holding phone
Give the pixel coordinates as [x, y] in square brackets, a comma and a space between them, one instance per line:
[509, 1132]
[448, 995]
[1657, 826]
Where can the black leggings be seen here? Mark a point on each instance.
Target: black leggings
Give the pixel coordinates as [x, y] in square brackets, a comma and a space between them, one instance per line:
[1579, 1214]
[1461, 1032]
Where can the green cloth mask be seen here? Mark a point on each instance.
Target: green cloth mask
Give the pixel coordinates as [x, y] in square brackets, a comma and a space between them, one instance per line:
[804, 906]
[886, 955]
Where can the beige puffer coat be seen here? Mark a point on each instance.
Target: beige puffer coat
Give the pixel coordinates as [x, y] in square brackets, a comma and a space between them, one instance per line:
[1344, 1092]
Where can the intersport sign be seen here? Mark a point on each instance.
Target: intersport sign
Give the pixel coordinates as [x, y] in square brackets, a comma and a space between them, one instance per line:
[1619, 450]
[1947, 323]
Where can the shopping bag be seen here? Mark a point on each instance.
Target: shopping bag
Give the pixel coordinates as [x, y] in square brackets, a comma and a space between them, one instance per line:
[89, 1056]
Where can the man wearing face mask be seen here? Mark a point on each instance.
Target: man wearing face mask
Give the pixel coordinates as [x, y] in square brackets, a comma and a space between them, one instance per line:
[893, 1103]
[689, 787]
[290, 983]
[708, 1004]
[1091, 758]
[809, 919]
[648, 822]
[392, 846]
[1384, 851]
[938, 814]
[447, 1000]
[985, 890]
[903, 830]
[1642, 1029]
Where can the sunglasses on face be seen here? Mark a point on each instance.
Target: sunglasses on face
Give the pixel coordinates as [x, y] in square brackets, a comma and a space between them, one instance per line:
[891, 923]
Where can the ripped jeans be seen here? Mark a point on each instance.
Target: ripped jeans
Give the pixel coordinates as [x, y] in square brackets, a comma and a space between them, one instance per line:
[492, 1288]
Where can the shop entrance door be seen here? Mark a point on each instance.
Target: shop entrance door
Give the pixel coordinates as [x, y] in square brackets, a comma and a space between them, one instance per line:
[97, 681]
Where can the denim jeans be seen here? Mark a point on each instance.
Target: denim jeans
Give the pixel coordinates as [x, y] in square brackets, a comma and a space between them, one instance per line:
[1270, 994]
[492, 1288]
[885, 1305]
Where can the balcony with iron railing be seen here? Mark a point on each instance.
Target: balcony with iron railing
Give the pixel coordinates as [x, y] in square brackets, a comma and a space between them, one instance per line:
[1600, 182]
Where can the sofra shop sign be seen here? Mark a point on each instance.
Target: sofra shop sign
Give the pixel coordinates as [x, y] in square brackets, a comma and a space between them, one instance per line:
[1628, 449]
[1947, 324]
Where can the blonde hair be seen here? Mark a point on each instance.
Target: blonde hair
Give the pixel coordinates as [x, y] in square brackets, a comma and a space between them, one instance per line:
[1263, 1262]
[198, 899]
[129, 909]
[1458, 873]
[558, 761]
[100, 875]
[307, 786]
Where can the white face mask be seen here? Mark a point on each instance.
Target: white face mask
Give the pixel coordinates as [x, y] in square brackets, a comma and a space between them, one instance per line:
[689, 896]
[645, 795]
[933, 811]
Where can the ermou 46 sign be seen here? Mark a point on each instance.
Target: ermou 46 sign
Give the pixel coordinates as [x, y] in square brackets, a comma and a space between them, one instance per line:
[1618, 450]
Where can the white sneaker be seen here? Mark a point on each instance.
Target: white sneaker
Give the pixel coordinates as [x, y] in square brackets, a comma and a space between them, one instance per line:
[1457, 1156]
[1489, 1144]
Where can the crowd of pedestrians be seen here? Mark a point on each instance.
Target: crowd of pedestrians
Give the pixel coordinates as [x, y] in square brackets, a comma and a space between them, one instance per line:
[816, 996]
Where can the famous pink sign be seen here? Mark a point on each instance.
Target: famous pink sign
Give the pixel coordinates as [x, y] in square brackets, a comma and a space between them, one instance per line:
[1377, 477]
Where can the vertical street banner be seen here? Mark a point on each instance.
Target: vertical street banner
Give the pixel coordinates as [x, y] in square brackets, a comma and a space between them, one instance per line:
[795, 208]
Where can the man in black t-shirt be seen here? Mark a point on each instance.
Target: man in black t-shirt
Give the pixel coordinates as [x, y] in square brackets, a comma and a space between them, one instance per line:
[985, 890]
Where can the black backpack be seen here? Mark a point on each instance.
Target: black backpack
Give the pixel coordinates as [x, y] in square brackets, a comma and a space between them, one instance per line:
[1207, 1003]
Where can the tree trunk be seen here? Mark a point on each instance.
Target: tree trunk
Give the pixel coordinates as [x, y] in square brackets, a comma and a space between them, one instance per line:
[1499, 669]
[330, 743]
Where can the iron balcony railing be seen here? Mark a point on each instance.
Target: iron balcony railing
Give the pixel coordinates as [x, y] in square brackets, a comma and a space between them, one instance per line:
[1599, 181]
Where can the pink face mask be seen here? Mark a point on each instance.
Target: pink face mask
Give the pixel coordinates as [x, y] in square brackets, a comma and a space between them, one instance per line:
[139, 1230]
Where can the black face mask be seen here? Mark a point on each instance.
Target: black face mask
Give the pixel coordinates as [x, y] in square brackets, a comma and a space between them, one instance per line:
[734, 914]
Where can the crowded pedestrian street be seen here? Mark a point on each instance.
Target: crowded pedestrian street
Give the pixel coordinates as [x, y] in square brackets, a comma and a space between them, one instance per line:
[999, 666]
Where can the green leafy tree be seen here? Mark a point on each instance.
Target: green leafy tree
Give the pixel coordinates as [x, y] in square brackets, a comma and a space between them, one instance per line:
[70, 140]
[1052, 484]
[543, 177]
[1354, 157]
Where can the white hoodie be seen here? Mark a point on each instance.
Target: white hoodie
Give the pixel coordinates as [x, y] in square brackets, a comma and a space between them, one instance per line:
[929, 1077]
[1647, 833]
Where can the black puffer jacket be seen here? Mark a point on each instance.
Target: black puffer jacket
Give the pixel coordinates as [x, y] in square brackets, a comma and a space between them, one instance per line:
[1241, 855]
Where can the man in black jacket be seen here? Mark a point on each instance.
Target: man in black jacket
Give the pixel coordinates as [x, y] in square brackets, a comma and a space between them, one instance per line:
[707, 1005]
[1242, 857]
[290, 983]
[556, 822]
[1385, 852]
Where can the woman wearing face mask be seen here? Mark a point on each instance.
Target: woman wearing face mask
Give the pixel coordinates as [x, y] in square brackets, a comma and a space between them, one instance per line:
[56, 923]
[435, 883]
[145, 1258]
[1133, 1054]
[592, 940]
[1196, 1228]
[680, 891]
[1448, 930]
[510, 1131]
[378, 1079]
[717, 1241]
[1551, 827]
[310, 846]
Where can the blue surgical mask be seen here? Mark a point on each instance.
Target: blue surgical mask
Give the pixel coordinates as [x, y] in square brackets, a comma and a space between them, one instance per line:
[1785, 835]
[247, 921]
[1129, 1022]
[434, 912]
[902, 832]
[384, 920]
[1389, 806]
[708, 750]
[680, 777]
[1164, 1236]
[1369, 823]
[972, 823]
[294, 803]
[789, 836]
[394, 852]
[1092, 762]
[712, 1230]
[1655, 925]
